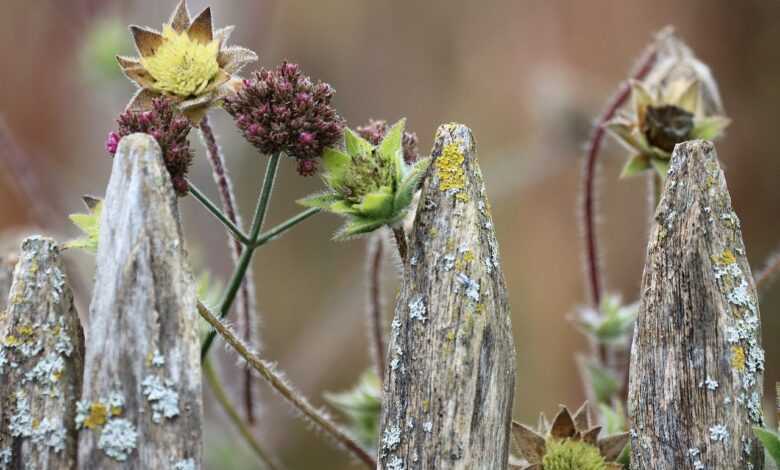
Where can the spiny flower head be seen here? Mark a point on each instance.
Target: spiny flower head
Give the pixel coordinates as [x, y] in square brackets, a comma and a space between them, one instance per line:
[375, 131]
[169, 127]
[677, 102]
[569, 443]
[370, 185]
[188, 62]
[282, 110]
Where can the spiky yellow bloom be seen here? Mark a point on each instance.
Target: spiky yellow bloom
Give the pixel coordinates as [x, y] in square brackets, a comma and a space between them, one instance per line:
[182, 65]
[188, 62]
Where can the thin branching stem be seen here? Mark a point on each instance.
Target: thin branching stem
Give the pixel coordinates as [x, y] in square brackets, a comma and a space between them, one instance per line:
[223, 400]
[278, 230]
[317, 417]
[771, 269]
[588, 215]
[376, 335]
[216, 212]
[246, 307]
[244, 261]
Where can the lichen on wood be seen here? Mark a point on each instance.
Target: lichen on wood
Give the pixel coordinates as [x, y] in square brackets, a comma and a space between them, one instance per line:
[141, 406]
[449, 382]
[41, 363]
[696, 363]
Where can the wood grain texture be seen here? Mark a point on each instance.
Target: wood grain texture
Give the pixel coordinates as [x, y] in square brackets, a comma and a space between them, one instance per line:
[41, 363]
[450, 377]
[696, 362]
[141, 406]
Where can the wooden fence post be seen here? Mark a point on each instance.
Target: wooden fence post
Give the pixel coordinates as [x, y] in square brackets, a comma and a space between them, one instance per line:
[41, 363]
[696, 362]
[451, 358]
[141, 406]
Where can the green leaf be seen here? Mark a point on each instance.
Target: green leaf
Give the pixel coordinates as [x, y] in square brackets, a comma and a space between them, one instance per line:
[362, 406]
[89, 224]
[336, 164]
[320, 200]
[603, 381]
[661, 166]
[640, 97]
[357, 226]
[635, 165]
[771, 442]
[355, 144]
[710, 128]
[342, 208]
[391, 149]
[614, 419]
[376, 204]
[407, 188]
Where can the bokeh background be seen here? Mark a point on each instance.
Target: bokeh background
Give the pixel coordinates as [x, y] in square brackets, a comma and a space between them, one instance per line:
[527, 76]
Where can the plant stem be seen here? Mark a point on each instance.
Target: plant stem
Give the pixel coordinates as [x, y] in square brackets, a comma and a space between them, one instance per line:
[400, 240]
[246, 256]
[772, 267]
[589, 176]
[246, 308]
[274, 232]
[235, 418]
[376, 335]
[211, 207]
[317, 417]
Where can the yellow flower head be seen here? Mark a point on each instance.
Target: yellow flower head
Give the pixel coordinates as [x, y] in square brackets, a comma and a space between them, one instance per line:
[181, 65]
[188, 62]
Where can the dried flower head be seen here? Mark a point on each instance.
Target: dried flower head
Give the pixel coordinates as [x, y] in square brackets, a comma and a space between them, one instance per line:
[281, 110]
[569, 443]
[169, 127]
[188, 62]
[376, 130]
[678, 101]
[370, 185]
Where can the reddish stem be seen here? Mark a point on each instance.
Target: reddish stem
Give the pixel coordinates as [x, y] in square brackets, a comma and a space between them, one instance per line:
[246, 294]
[589, 176]
[376, 333]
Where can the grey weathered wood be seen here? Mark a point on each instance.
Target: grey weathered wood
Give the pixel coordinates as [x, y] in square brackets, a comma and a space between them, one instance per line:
[696, 362]
[141, 406]
[450, 377]
[41, 363]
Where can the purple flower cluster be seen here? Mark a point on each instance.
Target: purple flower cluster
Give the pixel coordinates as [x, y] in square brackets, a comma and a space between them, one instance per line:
[169, 127]
[281, 110]
[375, 131]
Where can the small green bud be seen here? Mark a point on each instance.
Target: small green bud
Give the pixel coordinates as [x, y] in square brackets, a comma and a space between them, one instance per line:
[89, 224]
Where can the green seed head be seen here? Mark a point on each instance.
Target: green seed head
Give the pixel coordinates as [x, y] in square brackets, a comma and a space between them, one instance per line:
[572, 455]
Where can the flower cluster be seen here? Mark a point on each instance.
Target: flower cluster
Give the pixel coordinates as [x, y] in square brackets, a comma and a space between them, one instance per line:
[281, 110]
[169, 127]
[370, 185]
[376, 130]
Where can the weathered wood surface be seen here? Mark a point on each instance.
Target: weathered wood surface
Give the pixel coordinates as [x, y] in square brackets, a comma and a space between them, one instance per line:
[141, 406]
[41, 363]
[450, 377]
[7, 262]
[696, 362]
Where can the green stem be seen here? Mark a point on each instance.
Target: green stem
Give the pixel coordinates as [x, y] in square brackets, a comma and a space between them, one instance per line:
[285, 226]
[319, 419]
[235, 418]
[211, 207]
[246, 256]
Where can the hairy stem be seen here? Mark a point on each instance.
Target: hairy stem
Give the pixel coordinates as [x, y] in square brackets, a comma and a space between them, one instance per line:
[376, 335]
[275, 232]
[274, 379]
[219, 393]
[588, 214]
[244, 261]
[400, 241]
[246, 308]
[216, 212]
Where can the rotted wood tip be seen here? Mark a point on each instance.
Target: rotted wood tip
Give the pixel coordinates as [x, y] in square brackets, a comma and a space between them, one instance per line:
[697, 363]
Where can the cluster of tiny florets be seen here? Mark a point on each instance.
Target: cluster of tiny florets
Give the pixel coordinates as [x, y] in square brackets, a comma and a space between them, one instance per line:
[281, 110]
[376, 130]
[169, 127]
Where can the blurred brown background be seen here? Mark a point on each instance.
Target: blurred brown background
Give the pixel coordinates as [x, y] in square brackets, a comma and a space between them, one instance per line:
[527, 76]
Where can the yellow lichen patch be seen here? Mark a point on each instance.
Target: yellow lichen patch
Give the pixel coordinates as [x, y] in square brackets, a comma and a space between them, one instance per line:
[426, 405]
[449, 168]
[98, 413]
[116, 410]
[738, 358]
[11, 341]
[468, 256]
[25, 330]
[725, 258]
[480, 308]
[450, 336]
